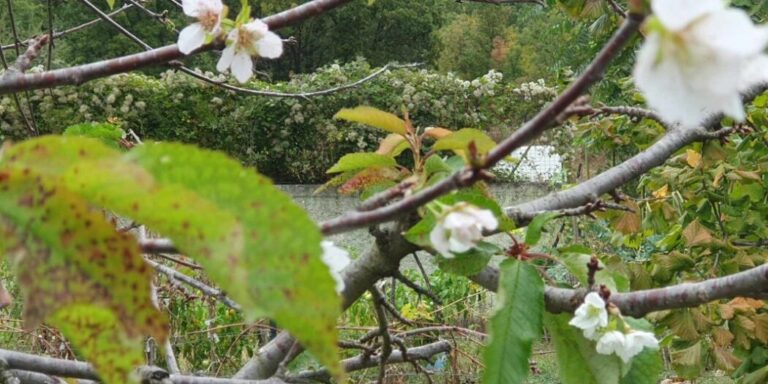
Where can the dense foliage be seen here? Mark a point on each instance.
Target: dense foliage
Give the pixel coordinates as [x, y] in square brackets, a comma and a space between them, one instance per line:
[289, 139]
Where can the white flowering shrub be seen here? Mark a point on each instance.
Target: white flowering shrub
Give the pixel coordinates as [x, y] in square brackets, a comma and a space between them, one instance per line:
[290, 139]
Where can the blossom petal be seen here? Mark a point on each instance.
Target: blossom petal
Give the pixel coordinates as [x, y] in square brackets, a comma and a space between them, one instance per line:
[594, 299]
[191, 8]
[610, 342]
[663, 83]
[754, 72]
[678, 14]
[336, 259]
[225, 61]
[270, 46]
[257, 26]
[731, 33]
[486, 219]
[439, 241]
[191, 37]
[458, 246]
[242, 67]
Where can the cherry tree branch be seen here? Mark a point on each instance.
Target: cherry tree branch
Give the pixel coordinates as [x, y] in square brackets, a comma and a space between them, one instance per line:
[751, 283]
[56, 35]
[362, 361]
[194, 283]
[611, 179]
[532, 129]
[83, 73]
[25, 362]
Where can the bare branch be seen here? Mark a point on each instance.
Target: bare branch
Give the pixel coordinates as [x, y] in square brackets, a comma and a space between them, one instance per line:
[362, 362]
[379, 301]
[532, 129]
[80, 74]
[23, 62]
[205, 289]
[24, 362]
[80, 27]
[751, 283]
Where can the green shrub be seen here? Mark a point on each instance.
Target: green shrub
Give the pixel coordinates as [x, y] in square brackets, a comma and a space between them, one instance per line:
[290, 139]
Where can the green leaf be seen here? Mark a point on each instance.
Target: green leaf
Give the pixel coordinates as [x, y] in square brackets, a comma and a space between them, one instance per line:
[515, 325]
[108, 134]
[286, 278]
[355, 161]
[759, 376]
[111, 4]
[533, 233]
[419, 233]
[373, 117]
[578, 361]
[252, 240]
[67, 255]
[469, 263]
[460, 140]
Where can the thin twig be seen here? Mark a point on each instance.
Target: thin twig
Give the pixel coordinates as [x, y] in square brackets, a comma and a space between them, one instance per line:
[77, 28]
[420, 290]
[80, 74]
[202, 287]
[378, 301]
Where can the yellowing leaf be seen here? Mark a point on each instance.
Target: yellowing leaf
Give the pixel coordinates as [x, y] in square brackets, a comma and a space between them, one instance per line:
[693, 158]
[437, 132]
[392, 145]
[690, 356]
[373, 117]
[748, 175]
[761, 327]
[65, 254]
[696, 234]
[725, 360]
[662, 192]
[719, 173]
[354, 161]
[628, 223]
[722, 337]
[461, 139]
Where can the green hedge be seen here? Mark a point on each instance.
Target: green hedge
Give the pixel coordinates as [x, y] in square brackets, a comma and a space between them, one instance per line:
[291, 140]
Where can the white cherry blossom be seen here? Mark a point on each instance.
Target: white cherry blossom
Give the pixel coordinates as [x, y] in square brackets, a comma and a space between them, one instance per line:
[699, 56]
[590, 316]
[611, 342]
[250, 39]
[626, 346]
[336, 259]
[461, 228]
[209, 14]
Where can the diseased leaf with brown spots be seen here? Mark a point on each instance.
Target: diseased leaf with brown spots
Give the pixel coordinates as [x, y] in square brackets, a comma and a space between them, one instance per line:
[272, 266]
[96, 328]
[198, 226]
[368, 177]
[286, 279]
[67, 254]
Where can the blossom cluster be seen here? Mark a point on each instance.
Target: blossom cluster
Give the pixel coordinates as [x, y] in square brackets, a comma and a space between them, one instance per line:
[593, 319]
[534, 90]
[244, 40]
[460, 227]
